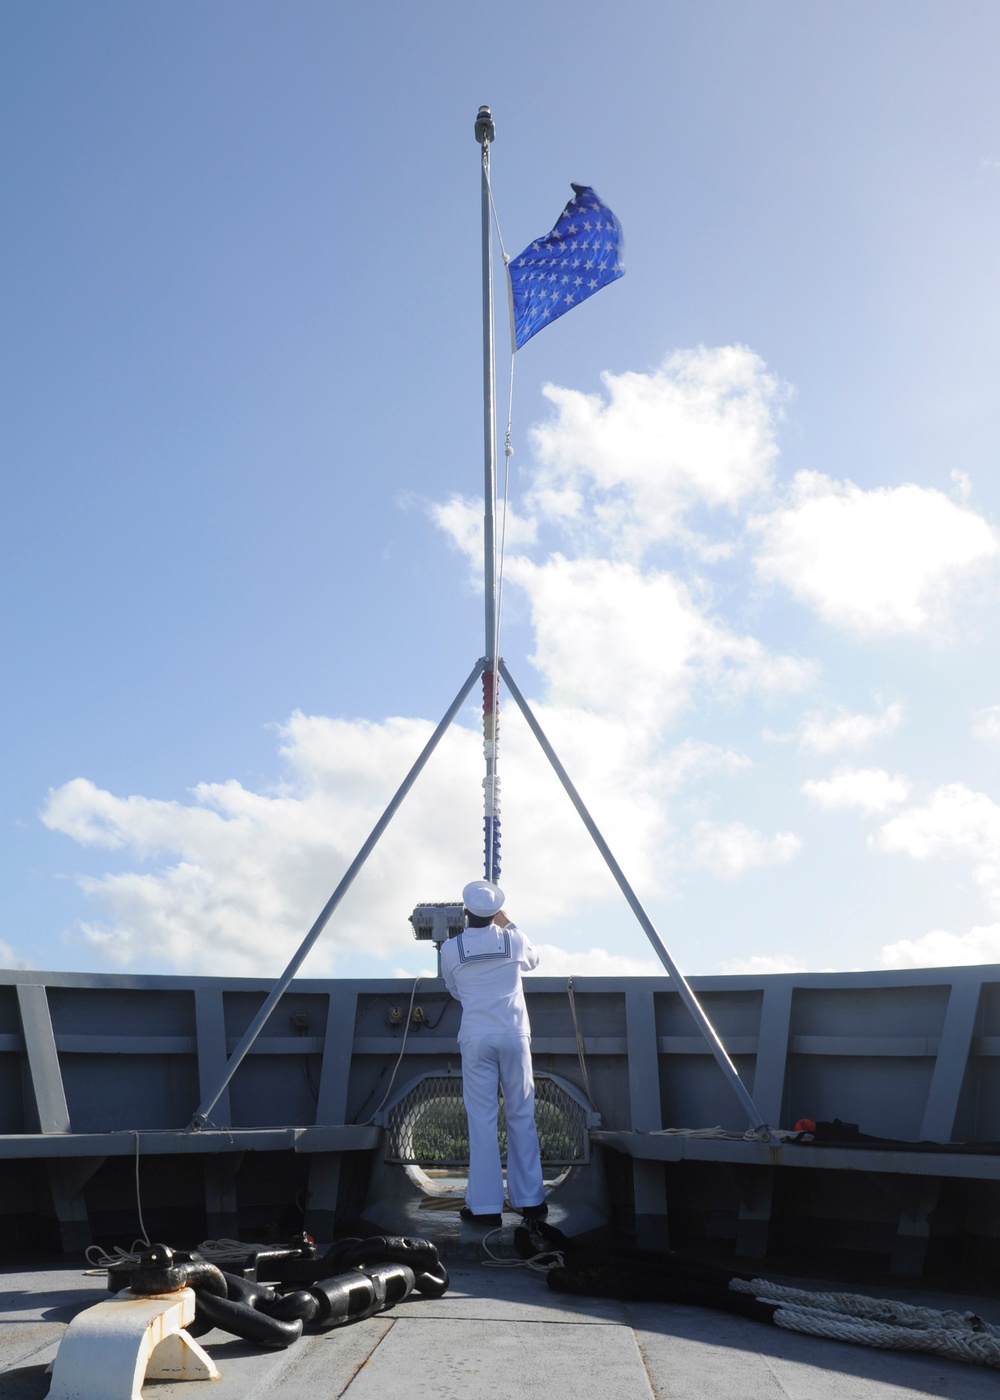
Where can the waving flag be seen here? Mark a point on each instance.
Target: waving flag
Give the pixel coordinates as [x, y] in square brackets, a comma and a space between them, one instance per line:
[581, 255]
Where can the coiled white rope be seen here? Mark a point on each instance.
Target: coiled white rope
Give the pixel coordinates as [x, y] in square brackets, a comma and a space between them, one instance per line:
[100, 1261]
[541, 1262]
[751, 1134]
[878, 1322]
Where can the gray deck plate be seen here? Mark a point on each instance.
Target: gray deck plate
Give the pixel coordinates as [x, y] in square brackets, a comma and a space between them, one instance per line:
[501, 1333]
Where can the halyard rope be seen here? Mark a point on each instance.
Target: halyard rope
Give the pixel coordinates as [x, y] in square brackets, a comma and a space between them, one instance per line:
[491, 715]
[581, 1049]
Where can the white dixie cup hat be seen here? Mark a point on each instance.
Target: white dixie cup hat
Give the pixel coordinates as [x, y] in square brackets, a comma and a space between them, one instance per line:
[483, 898]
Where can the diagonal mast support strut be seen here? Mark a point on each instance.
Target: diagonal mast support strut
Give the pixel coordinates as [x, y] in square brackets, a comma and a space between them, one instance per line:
[281, 986]
[683, 987]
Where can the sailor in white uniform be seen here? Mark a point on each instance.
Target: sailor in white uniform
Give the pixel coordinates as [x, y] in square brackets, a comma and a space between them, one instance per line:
[482, 968]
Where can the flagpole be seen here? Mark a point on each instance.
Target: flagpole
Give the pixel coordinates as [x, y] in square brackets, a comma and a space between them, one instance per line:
[485, 134]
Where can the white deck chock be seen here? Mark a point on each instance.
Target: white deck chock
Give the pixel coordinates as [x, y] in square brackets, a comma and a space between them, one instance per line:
[108, 1351]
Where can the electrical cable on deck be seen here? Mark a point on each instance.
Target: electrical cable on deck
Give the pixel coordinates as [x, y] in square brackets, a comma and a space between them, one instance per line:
[399, 1057]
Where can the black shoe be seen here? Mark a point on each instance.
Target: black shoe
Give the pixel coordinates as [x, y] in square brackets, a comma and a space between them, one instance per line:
[538, 1212]
[487, 1221]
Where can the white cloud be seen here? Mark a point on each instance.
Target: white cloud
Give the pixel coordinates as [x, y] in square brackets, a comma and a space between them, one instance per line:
[819, 733]
[425, 973]
[942, 949]
[986, 724]
[595, 962]
[620, 471]
[234, 879]
[870, 790]
[732, 848]
[763, 964]
[237, 878]
[461, 520]
[11, 959]
[954, 821]
[635, 644]
[230, 880]
[963, 484]
[616, 474]
[874, 562]
[692, 758]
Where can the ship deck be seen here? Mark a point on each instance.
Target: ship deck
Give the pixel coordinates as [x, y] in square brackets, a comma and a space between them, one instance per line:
[501, 1332]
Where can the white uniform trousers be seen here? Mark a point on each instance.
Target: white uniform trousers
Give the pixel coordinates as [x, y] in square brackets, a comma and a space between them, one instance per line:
[485, 1060]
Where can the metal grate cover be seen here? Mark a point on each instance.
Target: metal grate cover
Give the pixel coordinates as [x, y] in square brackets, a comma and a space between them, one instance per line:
[427, 1126]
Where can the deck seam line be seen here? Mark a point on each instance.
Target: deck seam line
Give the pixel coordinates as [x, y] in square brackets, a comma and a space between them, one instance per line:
[362, 1364]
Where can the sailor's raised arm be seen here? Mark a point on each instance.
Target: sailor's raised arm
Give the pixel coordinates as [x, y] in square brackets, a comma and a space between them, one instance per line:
[529, 954]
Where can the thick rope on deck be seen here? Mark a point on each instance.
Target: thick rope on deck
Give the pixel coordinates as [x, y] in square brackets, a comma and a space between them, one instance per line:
[878, 1322]
[654, 1276]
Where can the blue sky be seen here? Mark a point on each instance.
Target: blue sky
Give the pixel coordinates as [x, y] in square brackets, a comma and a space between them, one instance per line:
[752, 562]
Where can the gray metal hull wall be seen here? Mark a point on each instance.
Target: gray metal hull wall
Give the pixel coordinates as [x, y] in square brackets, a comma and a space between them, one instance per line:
[100, 1077]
